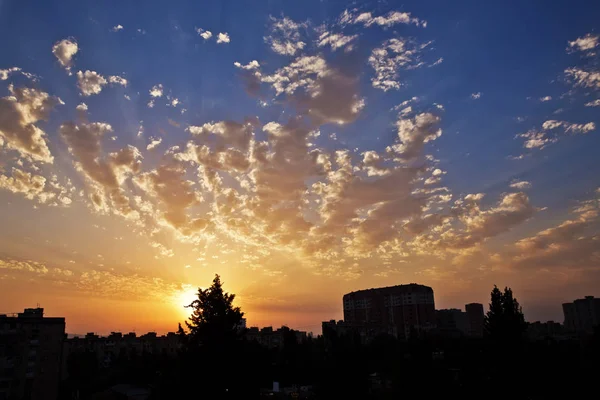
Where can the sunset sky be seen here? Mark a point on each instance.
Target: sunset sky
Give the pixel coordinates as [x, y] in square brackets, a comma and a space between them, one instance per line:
[301, 150]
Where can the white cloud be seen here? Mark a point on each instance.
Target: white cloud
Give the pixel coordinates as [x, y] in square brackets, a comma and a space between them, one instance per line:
[154, 142]
[414, 133]
[204, 34]
[117, 80]
[585, 44]
[521, 185]
[285, 38]
[569, 127]
[390, 19]
[64, 51]
[223, 38]
[90, 82]
[476, 96]
[583, 78]
[336, 40]
[536, 139]
[545, 98]
[117, 28]
[250, 66]
[19, 113]
[157, 90]
[5, 73]
[36, 187]
[595, 103]
[393, 55]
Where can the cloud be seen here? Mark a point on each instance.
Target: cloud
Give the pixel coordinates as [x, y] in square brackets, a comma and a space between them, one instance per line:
[594, 103]
[585, 44]
[157, 90]
[336, 40]
[569, 127]
[545, 98]
[583, 78]
[117, 80]
[36, 187]
[285, 38]
[316, 89]
[154, 142]
[204, 34]
[476, 96]
[226, 133]
[414, 133]
[19, 114]
[223, 38]
[252, 65]
[5, 73]
[91, 82]
[540, 139]
[114, 285]
[480, 224]
[572, 244]
[23, 266]
[117, 28]
[394, 54]
[168, 184]
[387, 20]
[521, 185]
[105, 174]
[536, 139]
[64, 51]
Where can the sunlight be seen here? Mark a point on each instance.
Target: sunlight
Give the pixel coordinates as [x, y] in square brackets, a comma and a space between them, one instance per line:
[185, 297]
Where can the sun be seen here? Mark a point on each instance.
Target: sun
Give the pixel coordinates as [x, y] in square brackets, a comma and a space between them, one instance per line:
[185, 297]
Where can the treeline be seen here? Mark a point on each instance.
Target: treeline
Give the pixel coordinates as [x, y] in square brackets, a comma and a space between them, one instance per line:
[216, 362]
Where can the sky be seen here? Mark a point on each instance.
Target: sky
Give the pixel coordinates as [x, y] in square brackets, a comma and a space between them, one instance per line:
[301, 150]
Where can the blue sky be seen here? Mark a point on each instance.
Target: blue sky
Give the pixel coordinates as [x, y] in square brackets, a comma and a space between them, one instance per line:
[464, 80]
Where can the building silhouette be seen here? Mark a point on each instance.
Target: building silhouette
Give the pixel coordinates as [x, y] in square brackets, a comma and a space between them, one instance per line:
[401, 310]
[582, 315]
[475, 317]
[272, 338]
[107, 349]
[452, 322]
[30, 355]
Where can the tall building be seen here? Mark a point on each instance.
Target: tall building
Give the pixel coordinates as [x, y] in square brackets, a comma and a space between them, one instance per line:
[30, 355]
[582, 315]
[452, 322]
[397, 310]
[475, 317]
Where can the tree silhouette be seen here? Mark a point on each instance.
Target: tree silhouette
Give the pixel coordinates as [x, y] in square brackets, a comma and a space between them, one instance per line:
[214, 320]
[505, 319]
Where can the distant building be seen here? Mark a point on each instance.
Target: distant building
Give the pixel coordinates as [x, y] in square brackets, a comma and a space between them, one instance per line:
[397, 310]
[272, 338]
[543, 330]
[452, 322]
[108, 348]
[582, 315]
[475, 317]
[30, 355]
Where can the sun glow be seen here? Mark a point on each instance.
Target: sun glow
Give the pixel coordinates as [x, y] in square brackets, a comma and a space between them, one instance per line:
[185, 297]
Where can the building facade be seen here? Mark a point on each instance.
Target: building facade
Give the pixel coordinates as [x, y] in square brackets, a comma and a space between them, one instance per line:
[30, 355]
[582, 315]
[475, 317]
[400, 310]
